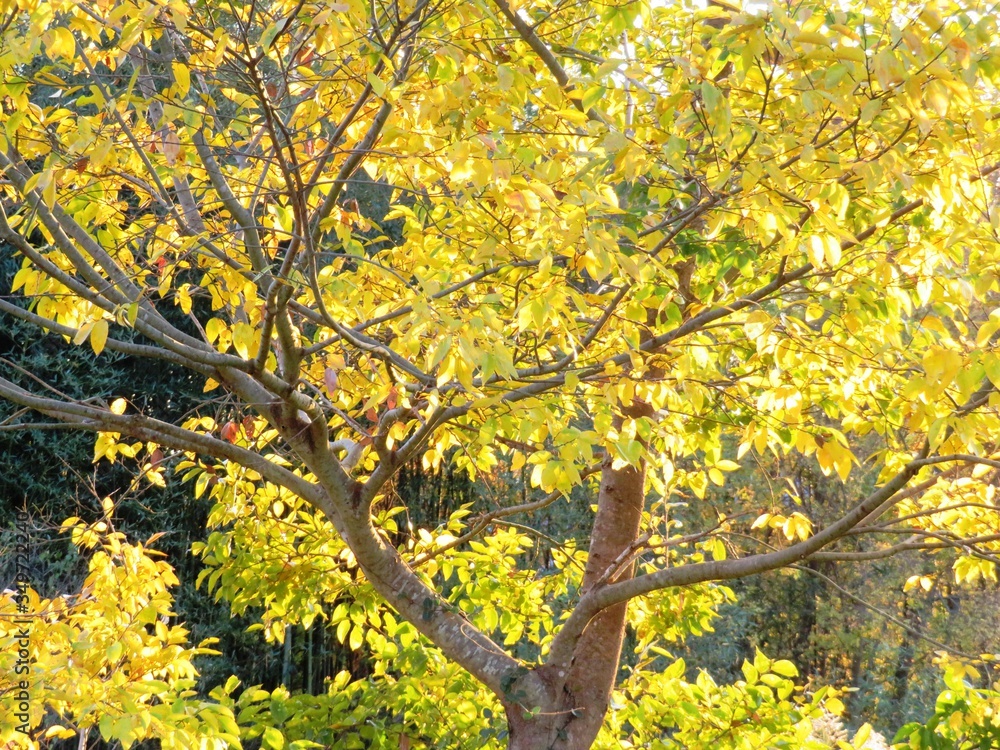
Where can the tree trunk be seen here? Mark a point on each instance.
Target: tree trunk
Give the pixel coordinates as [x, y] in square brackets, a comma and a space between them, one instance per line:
[286, 659]
[900, 682]
[580, 701]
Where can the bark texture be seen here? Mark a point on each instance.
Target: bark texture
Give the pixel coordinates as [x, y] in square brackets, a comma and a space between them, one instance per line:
[595, 662]
[579, 696]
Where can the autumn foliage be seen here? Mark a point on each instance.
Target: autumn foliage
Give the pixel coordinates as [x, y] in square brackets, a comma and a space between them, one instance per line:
[632, 249]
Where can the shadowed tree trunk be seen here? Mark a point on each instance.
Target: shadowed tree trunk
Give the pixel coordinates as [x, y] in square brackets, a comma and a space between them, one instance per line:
[904, 662]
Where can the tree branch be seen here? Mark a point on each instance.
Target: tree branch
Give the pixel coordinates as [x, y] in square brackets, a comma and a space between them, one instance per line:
[601, 598]
[148, 429]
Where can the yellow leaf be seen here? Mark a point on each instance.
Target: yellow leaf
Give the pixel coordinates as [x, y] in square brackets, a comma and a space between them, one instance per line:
[942, 365]
[99, 336]
[244, 340]
[213, 328]
[61, 43]
[937, 97]
[114, 652]
[861, 738]
[922, 581]
[853, 54]
[832, 249]
[35, 180]
[118, 406]
[524, 202]
[718, 550]
[888, 69]
[961, 49]
[184, 299]
[845, 31]
[812, 37]
[784, 668]
[59, 731]
[171, 146]
[356, 638]
[987, 329]
[82, 333]
[182, 78]
[816, 250]
[797, 526]
[49, 192]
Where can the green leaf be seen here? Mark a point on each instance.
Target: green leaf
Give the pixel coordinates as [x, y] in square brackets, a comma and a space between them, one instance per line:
[273, 739]
[378, 86]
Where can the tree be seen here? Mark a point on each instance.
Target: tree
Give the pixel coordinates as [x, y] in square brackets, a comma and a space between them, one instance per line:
[636, 237]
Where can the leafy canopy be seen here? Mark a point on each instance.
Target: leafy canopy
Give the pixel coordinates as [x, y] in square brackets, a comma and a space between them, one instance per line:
[667, 238]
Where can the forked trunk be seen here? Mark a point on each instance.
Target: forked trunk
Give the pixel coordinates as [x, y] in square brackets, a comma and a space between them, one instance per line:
[580, 701]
